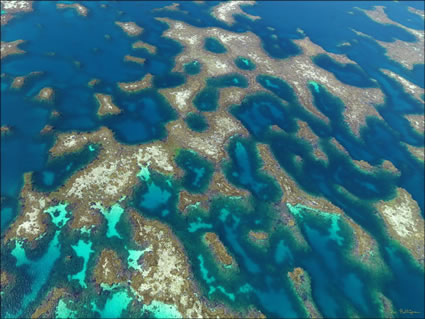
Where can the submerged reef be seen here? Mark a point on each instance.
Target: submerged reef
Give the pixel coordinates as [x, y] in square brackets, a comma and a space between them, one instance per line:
[19, 81]
[406, 53]
[143, 45]
[10, 8]
[404, 222]
[81, 10]
[225, 11]
[45, 95]
[242, 166]
[130, 28]
[137, 86]
[10, 48]
[106, 106]
[298, 71]
[302, 284]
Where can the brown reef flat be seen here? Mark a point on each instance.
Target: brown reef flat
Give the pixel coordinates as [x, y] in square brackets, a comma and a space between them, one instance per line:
[109, 268]
[406, 53]
[135, 59]
[10, 48]
[225, 10]
[11, 7]
[143, 45]
[106, 105]
[137, 86]
[408, 86]
[293, 194]
[47, 307]
[218, 250]
[79, 8]
[45, 95]
[166, 275]
[418, 152]
[19, 81]
[301, 283]
[130, 28]
[305, 133]
[404, 222]
[297, 71]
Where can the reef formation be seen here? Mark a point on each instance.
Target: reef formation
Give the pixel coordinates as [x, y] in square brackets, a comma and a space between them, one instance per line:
[217, 175]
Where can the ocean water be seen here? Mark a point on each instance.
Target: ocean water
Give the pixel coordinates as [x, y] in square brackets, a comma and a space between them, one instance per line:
[341, 287]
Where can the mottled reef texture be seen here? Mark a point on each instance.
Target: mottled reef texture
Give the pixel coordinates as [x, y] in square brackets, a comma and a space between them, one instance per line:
[293, 194]
[404, 222]
[19, 81]
[79, 8]
[13, 7]
[143, 45]
[406, 53]
[130, 58]
[46, 94]
[130, 28]
[224, 11]
[301, 283]
[297, 71]
[48, 306]
[10, 48]
[219, 250]
[106, 105]
[165, 274]
[305, 132]
[137, 86]
[109, 269]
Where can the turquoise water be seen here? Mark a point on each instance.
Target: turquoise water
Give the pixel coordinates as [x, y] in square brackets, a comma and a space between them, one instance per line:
[340, 287]
[59, 214]
[62, 311]
[112, 217]
[82, 250]
[114, 306]
[155, 197]
[134, 256]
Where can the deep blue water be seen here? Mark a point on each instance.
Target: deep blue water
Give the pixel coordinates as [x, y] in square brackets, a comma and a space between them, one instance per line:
[197, 122]
[339, 285]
